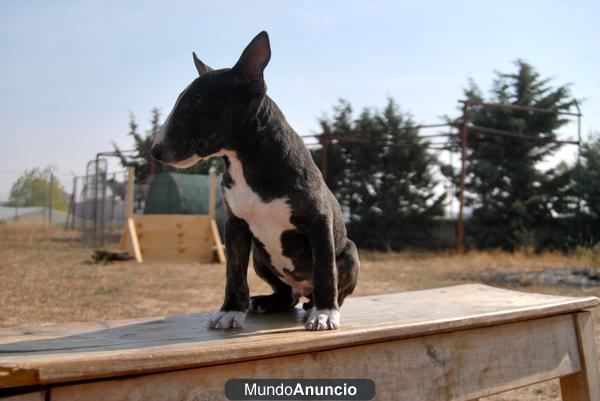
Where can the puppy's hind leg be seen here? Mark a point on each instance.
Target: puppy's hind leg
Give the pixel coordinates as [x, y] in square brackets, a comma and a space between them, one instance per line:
[325, 314]
[280, 300]
[348, 267]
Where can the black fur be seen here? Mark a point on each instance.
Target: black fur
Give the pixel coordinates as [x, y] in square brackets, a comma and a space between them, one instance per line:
[228, 109]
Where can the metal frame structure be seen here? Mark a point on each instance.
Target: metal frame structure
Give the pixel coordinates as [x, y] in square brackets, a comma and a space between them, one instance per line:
[327, 138]
[97, 174]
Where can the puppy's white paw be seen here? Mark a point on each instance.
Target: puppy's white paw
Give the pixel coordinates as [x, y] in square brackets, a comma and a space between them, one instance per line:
[226, 320]
[323, 319]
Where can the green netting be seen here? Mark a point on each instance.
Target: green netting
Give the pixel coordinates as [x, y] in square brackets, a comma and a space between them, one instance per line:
[173, 193]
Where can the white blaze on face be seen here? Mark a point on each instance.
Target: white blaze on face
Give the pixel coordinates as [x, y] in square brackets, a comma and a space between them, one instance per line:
[267, 220]
[189, 162]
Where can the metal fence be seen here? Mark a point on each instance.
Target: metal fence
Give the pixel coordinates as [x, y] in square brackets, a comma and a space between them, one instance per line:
[98, 204]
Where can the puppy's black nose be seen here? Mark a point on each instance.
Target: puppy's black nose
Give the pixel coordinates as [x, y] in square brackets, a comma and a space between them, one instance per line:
[157, 151]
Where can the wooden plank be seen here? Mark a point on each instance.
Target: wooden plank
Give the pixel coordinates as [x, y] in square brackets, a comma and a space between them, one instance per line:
[174, 235]
[217, 241]
[35, 396]
[458, 366]
[130, 190]
[173, 219]
[212, 193]
[176, 238]
[135, 245]
[178, 255]
[90, 350]
[172, 241]
[193, 230]
[126, 240]
[584, 385]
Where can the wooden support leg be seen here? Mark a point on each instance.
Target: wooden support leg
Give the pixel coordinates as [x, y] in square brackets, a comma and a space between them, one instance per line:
[583, 385]
[217, 241]
[133, 237]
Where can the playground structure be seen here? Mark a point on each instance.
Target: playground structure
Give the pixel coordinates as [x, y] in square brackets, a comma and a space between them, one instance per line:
[172, 217]
[173, 237]
[455, 343]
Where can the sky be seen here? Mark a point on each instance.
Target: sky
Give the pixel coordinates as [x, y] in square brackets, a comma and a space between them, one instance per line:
[71, 72]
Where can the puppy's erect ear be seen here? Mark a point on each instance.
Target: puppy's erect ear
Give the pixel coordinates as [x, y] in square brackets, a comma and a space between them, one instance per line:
[200, 66]
[255, 58]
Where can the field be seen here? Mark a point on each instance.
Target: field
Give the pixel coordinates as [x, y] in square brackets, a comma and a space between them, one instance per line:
[47, 277]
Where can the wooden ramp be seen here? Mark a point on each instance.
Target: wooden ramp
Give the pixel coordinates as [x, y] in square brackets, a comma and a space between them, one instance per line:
[454, 343]
[180, 238]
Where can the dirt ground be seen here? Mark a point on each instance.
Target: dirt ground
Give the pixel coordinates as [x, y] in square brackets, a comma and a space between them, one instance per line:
[46, 277]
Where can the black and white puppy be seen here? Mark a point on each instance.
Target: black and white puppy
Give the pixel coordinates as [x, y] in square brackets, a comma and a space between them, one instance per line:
[277, 203]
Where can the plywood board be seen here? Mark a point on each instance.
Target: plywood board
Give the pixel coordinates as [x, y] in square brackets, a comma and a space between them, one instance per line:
[50, 354]
[175, 237]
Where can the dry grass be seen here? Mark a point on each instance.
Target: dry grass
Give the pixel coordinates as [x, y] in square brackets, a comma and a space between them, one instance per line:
[46, 277]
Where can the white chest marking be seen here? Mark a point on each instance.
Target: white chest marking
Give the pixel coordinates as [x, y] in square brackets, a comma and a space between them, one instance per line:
[267, 220]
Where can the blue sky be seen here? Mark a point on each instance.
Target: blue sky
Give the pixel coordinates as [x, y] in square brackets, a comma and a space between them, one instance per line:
[72, 71]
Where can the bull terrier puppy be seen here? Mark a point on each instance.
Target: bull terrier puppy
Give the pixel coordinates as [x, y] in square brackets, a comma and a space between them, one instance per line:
[278, 206]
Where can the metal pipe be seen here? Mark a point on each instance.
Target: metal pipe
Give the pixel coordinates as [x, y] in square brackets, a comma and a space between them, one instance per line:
[460, 224]
[517, 107]
[96, 173]
[71, 211]
[325, 139]
[113, 201]
[416, 127]
[515, 135]
[103, 210]
[579, 169]
[95, 209]
[343, 139]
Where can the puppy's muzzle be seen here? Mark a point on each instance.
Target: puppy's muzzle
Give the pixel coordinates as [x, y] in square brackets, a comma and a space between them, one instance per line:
[157, 151]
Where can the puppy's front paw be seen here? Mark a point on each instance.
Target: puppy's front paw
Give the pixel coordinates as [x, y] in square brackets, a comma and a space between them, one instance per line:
[323, 319]
[226, 320]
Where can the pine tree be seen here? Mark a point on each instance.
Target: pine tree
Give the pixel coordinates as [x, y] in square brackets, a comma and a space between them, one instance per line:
[338, 164]
[506, 189]
[389, 191]
[590, 175]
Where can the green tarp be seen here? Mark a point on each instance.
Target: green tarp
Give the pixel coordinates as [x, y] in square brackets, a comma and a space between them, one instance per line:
[174, 193]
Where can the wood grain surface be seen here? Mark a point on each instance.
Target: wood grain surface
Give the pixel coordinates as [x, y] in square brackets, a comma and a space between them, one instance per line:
[453, 366]
[81, 351]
